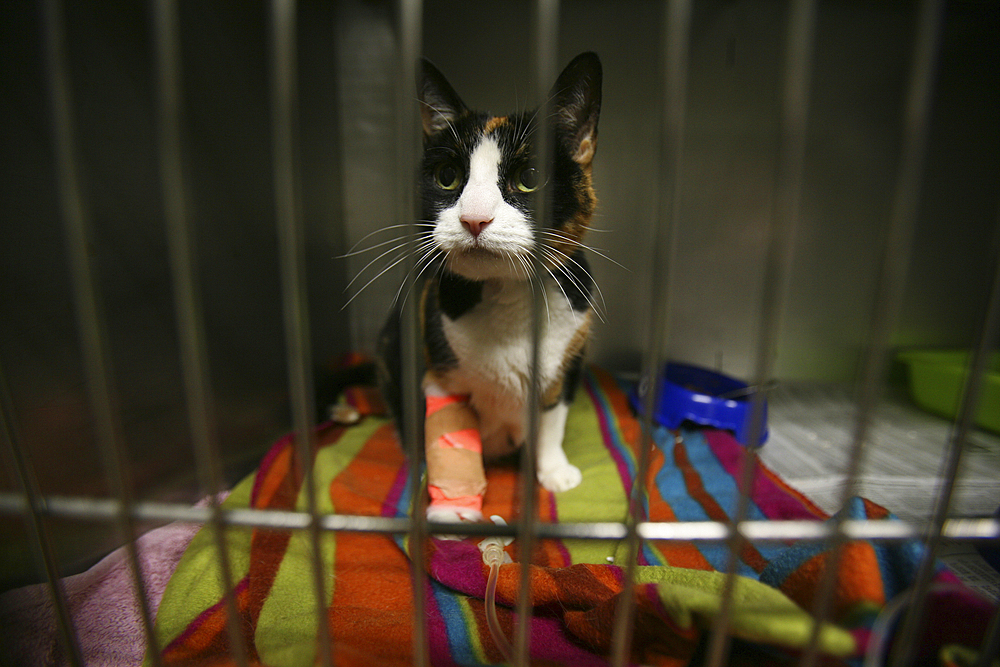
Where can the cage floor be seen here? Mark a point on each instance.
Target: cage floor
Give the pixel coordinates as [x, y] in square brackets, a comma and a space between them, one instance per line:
[812, 426]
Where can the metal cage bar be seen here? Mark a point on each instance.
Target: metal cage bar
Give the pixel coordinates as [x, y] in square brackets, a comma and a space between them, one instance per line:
[544, 38]
[123, 510]
[408, 135]
[187, 302]
[90, 321]
[890, 288]
[105, 510]
[291, 241]
[672, 80]
[777, 270]
[914, 620]
[17, 460]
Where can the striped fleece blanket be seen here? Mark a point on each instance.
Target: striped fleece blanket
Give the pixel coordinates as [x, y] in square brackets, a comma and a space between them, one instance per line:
[576, 585]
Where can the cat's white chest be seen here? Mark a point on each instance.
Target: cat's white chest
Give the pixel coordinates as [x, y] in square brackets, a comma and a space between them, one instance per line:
[493, 341]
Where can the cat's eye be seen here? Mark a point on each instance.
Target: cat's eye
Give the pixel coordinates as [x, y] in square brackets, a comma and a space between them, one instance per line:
[448, 176]
[527, 179]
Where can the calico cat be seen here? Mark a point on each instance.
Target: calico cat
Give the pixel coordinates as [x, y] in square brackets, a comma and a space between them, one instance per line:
[477, 180]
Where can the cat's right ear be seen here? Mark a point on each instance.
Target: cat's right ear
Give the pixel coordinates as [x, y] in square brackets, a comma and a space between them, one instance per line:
[440, 105]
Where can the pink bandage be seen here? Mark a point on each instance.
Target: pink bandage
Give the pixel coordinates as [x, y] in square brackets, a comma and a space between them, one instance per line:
[435, 402]
[438, 499]
[464, 439]
[455, 476]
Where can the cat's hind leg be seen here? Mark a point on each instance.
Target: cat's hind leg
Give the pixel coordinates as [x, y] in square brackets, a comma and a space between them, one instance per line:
[555, 472]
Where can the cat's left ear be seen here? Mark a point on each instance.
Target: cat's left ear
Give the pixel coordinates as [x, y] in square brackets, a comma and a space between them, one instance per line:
[440, 105]
[577, 99]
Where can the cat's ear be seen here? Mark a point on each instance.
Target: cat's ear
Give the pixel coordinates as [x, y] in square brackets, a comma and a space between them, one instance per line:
[576, 97]
[440, 105]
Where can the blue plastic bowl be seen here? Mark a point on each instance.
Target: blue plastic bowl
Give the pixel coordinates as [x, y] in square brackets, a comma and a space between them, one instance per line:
[704, 397]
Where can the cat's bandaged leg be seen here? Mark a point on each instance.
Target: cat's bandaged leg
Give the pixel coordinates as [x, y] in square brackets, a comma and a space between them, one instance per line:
[456, 480]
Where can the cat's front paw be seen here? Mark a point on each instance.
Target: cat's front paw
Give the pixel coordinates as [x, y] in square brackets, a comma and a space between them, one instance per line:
[448, 514]
[562, 477]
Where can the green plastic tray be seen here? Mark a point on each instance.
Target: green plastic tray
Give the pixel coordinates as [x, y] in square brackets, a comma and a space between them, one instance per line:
[937, 378]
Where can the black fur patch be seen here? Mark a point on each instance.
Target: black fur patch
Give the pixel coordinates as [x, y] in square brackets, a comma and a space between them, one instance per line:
[575, 280]
[457, 295]
[440, 356]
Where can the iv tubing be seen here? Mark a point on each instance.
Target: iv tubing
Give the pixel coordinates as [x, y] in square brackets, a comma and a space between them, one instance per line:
[492, 555]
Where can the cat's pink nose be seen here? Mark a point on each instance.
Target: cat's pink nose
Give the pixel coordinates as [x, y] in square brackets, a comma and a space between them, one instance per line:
[475, 224]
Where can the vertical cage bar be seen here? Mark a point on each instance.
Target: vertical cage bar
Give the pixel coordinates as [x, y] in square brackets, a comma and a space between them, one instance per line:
[777, 269]
[409, 145]
[991, 643]
[291, 240]
[673, 71]
[90, 323]
[17, 460]
[890, 286]
[544, 36]
[187, 301]
[913, 621]
[899, 235]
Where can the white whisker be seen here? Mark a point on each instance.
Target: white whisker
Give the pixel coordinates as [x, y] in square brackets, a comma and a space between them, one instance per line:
[427, 259]
[399, 245]
[377, 276]
[565, 296]
[560, 266]
[355, 253]
[561, 236]
[354, 249]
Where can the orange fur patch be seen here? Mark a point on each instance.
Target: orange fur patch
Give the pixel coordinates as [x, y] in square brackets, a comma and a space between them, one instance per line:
[493, 123]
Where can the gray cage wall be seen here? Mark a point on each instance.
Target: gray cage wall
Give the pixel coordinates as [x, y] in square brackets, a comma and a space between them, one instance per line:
[793, 192]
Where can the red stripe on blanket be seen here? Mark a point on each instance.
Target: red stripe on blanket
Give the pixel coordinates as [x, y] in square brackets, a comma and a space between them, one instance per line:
[370, 570]
[279, 490]
[207, 635]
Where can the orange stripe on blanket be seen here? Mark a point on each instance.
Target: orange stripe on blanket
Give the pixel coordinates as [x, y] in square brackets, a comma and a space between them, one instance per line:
[859, 580]
[279, 487]
[549, 553]
[501, 485]
[627, 423]
[583, 584]
[650, 646]
[874, 510]
[370, 613]
[678, 554]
